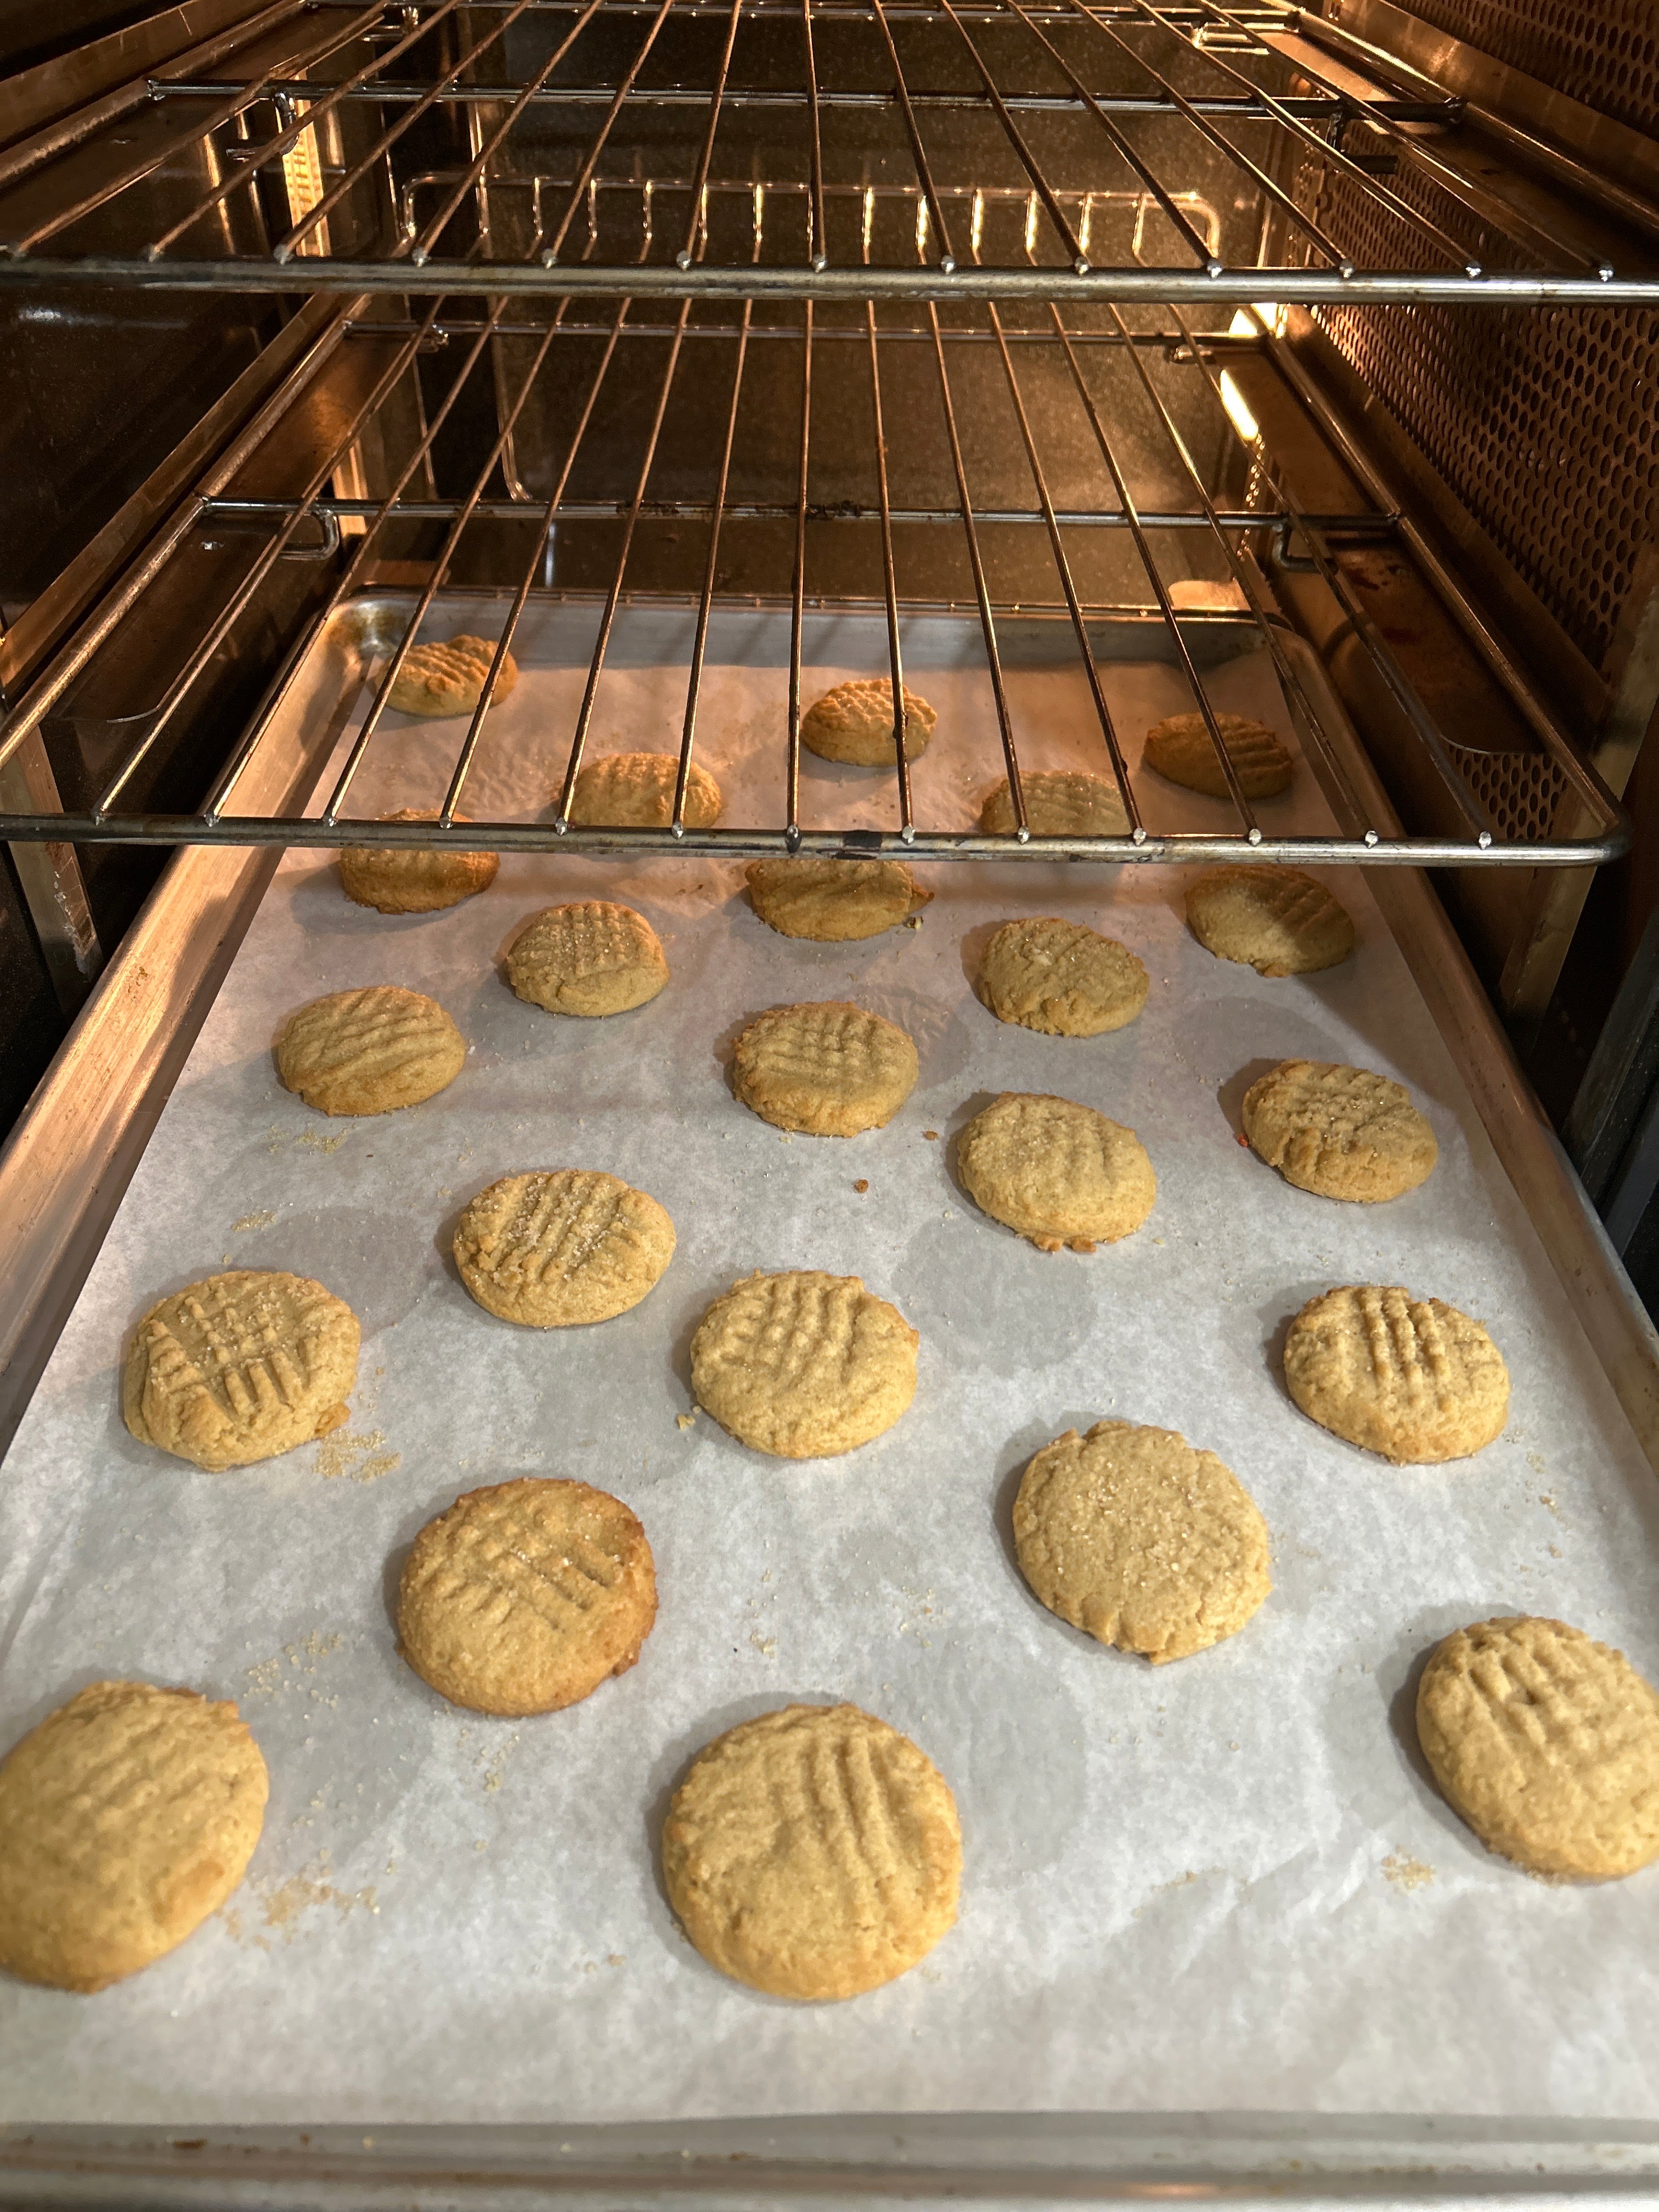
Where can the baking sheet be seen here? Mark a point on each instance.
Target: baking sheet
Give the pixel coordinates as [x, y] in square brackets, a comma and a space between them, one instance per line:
[1224, 1884]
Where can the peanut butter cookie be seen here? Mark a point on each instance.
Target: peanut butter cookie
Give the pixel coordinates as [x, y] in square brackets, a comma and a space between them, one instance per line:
[436, 680]
[1411, 1378]
[833, 902]
[636, 791]
[1277, 920]
[804, 1365]
[1057, 1172]
[1179, 748]
[525, 1597]
[1546, 1744]
[590, 958]
[854, 723]
[1340, 1131]
[369, 1052]
[414, 878]
[561, 1246]
[828, 1070]
[126, 1818]
[1059, 803]
[1136, 1537]
[240, 1367]
[814, 1852]
[1061, 979]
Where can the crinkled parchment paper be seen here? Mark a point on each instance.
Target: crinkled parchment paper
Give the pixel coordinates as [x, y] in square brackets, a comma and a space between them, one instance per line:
[1226, 1883]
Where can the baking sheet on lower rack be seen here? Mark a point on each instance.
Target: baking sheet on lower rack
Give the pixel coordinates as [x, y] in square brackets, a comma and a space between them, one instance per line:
[1226, 1883]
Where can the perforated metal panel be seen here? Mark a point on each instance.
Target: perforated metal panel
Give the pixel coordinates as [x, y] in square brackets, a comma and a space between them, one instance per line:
[1520, 791]
[1606, 54]
[1545, 421]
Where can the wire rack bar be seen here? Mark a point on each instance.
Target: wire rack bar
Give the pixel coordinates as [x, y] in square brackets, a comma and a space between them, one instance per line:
[1154, 287]
[1106, 442]
[1255, 83]
[1327, 107]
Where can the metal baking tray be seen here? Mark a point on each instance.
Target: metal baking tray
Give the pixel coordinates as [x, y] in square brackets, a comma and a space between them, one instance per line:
[1219, 1930]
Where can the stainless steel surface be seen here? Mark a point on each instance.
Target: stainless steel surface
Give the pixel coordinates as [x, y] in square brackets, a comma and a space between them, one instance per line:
[985, 2159]
[1126, 92]
[67, 1162]
[50, 876]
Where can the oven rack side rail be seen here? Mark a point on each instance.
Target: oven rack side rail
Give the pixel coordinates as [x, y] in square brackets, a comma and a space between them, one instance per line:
[1577, 823]
[274, 156]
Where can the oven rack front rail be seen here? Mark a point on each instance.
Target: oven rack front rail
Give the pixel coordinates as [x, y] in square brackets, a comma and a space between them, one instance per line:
[1119, 407]
[287, 155]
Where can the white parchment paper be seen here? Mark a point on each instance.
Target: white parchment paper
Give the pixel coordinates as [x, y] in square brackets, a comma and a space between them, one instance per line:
[1226, 1883]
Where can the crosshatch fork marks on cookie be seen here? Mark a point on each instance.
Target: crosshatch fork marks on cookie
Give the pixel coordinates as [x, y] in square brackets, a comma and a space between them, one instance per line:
[240, 1367]
[804, 1364]
[561, 1245]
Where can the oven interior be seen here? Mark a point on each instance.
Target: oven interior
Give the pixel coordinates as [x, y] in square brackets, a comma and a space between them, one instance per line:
[1339, 323]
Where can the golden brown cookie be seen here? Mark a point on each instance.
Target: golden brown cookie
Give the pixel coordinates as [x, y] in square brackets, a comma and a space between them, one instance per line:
[833, 901]
[1546, 1744]
[828, 1070]
[854, 723]
[125, 1818]
[1138, 1539]
[1411, 1378]
[590, 958]
[804, 1365]
[448, 679]
[1340, 1131]
[636, 791]
[1277, 920]
[1059, 803]
[369, 1052]
[525, 1597]
[1180, 747]
[1061, 979]
[1057, 1172]
[414, 878]
[240, 1367]
[814, 1852]
[561, 1246]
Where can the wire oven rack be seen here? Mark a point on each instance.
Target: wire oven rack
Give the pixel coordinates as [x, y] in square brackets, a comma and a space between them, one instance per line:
[547, 255]
[330, 97]
[1101, 368]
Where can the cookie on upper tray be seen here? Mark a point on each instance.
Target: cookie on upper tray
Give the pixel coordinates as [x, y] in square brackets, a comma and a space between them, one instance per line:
[804, 1365]
[1059, 803]
[1410, 1378]
[414, 878]
[525, 1597]
[1277, 920]
[1061, 979]
[827, 1070]
[854, 723]
[636, 791]
[126, 1818]
[436, 680]
[1547, 1744]
[1136, 1537]
[833, 902]
[240, 1367]
[1057, 1172]
[1340, 1131]
[813, 1852]
[369, 1052]
[589, 958]
[562, 1246]
[1180, 749]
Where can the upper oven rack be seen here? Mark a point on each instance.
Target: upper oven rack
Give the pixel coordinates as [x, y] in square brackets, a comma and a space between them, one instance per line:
[1091, 405]
[282, 153]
